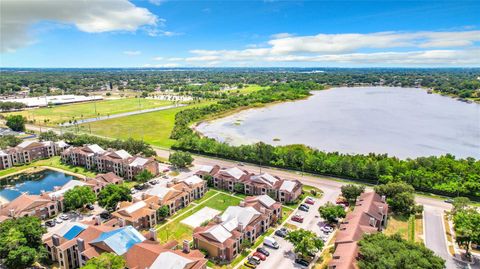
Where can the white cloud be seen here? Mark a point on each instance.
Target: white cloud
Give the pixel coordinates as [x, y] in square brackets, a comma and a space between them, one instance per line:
[281, 35]
[156, 2]
[381, 49]
[167, 65]
[132, 52]
[158, 58]
[95, 16]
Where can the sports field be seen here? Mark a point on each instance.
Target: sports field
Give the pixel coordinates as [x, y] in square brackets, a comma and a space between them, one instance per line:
[154, 127]
[64, 113]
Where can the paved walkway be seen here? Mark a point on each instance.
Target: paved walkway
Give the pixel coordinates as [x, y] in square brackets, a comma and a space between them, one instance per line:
[119, 115]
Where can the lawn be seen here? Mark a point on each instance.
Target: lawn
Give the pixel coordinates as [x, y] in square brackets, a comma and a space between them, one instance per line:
[64, 113]
[153, 128]
[398, 224]
[175, 230]
[53, 162]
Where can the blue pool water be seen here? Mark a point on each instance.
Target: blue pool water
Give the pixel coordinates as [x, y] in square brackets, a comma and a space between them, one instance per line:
[45, 180]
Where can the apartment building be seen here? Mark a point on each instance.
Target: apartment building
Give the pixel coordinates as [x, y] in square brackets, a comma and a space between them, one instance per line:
[369, 216]
[237, 180]
[77, 242]
[40, 206]
[223, 237]
[29, 151]
[120, 162]
[141, 213]
[101, 180]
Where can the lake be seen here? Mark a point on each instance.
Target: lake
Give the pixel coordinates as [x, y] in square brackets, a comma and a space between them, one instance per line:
[403, 122]
[34, 183]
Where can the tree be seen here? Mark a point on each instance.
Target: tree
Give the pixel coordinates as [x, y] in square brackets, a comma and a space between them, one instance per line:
[352, 191]
[144, 176]
[16, 122]
[78, 197]
[9, 141]
[48, 136]
[460, 203]
[331, 213]
[21, 242]
[180, 159]
[400, 196]
[106, 261]
[239, 187]
[209, 180]
[163, 212]
[112, 194]
[305, 242]
[379, 251]
[467, 228]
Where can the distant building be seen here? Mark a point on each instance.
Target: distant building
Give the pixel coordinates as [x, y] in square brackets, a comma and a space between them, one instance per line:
[29, 151]
[236, 179]
[369, 216]
[42, 101]
[120, 162]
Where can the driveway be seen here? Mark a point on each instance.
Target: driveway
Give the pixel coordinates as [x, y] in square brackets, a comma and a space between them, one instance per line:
[435, 238]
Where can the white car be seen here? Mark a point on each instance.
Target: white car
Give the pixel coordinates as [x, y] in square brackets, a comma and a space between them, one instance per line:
[326, 229]
[58, 221]
[64, 217]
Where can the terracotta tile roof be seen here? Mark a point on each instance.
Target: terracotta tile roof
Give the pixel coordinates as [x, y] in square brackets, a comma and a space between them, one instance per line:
[24, 202]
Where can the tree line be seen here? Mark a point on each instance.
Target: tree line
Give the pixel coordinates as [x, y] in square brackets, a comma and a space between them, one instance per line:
[457, 82]
[445, 174]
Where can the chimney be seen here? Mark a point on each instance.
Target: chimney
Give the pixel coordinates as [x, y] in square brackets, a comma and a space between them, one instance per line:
[218, 219]
[242, 204]
[144, 196]
[241, 226]
[80, 245]
[372, 222]
[151, 205]
[56, 240]
[153, 234]
[380, 209]
[98, 220]
[169, 184]
[262, 210]
[11, 212]
[384, 198]
[121, 222]
[42, 192]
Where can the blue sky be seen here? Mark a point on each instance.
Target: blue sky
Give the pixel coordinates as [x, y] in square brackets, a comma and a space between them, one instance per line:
[155, 33]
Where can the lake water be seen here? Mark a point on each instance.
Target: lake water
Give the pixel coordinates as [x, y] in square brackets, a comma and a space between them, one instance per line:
[403, 122]
[34, 183]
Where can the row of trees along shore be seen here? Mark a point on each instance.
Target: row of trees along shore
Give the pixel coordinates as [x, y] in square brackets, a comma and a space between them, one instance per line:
[443, 175]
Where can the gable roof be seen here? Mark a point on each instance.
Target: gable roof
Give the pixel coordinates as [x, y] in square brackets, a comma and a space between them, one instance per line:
[95, 149]
[170, 260]
[234, 172]
[288, 185]
[265, 178]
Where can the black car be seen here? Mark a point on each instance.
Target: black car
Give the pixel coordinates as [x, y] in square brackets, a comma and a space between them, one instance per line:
[263, 251]
[105, 215]
[302, 262]
[139, 187]
[303, 208]
[281, 233]
[254, 260]
[90, 207]
[49, 223]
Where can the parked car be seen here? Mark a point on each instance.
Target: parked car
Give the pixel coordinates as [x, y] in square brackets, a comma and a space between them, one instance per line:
[133, 191]
[270, 242]
[341, 201]
[263, 251]
[64, 217]
[260, 256]
[140, 187]
[50, 223]
[297, 218]
[449, 201]
[310, 201]
[240, 164]
[105, 215]
[326, 229]
[254, 260]
[165, 170]
[302, 262]
[153, 182]
[90, 207]
[281, 233]
[303, 208]
[250, 265]
[58, 221]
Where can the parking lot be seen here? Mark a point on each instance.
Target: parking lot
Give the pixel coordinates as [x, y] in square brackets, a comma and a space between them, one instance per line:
[284, 257]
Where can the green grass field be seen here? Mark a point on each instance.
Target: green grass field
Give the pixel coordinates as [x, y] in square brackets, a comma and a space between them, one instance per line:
[175, 230]
[64, 113]
[154, 127]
